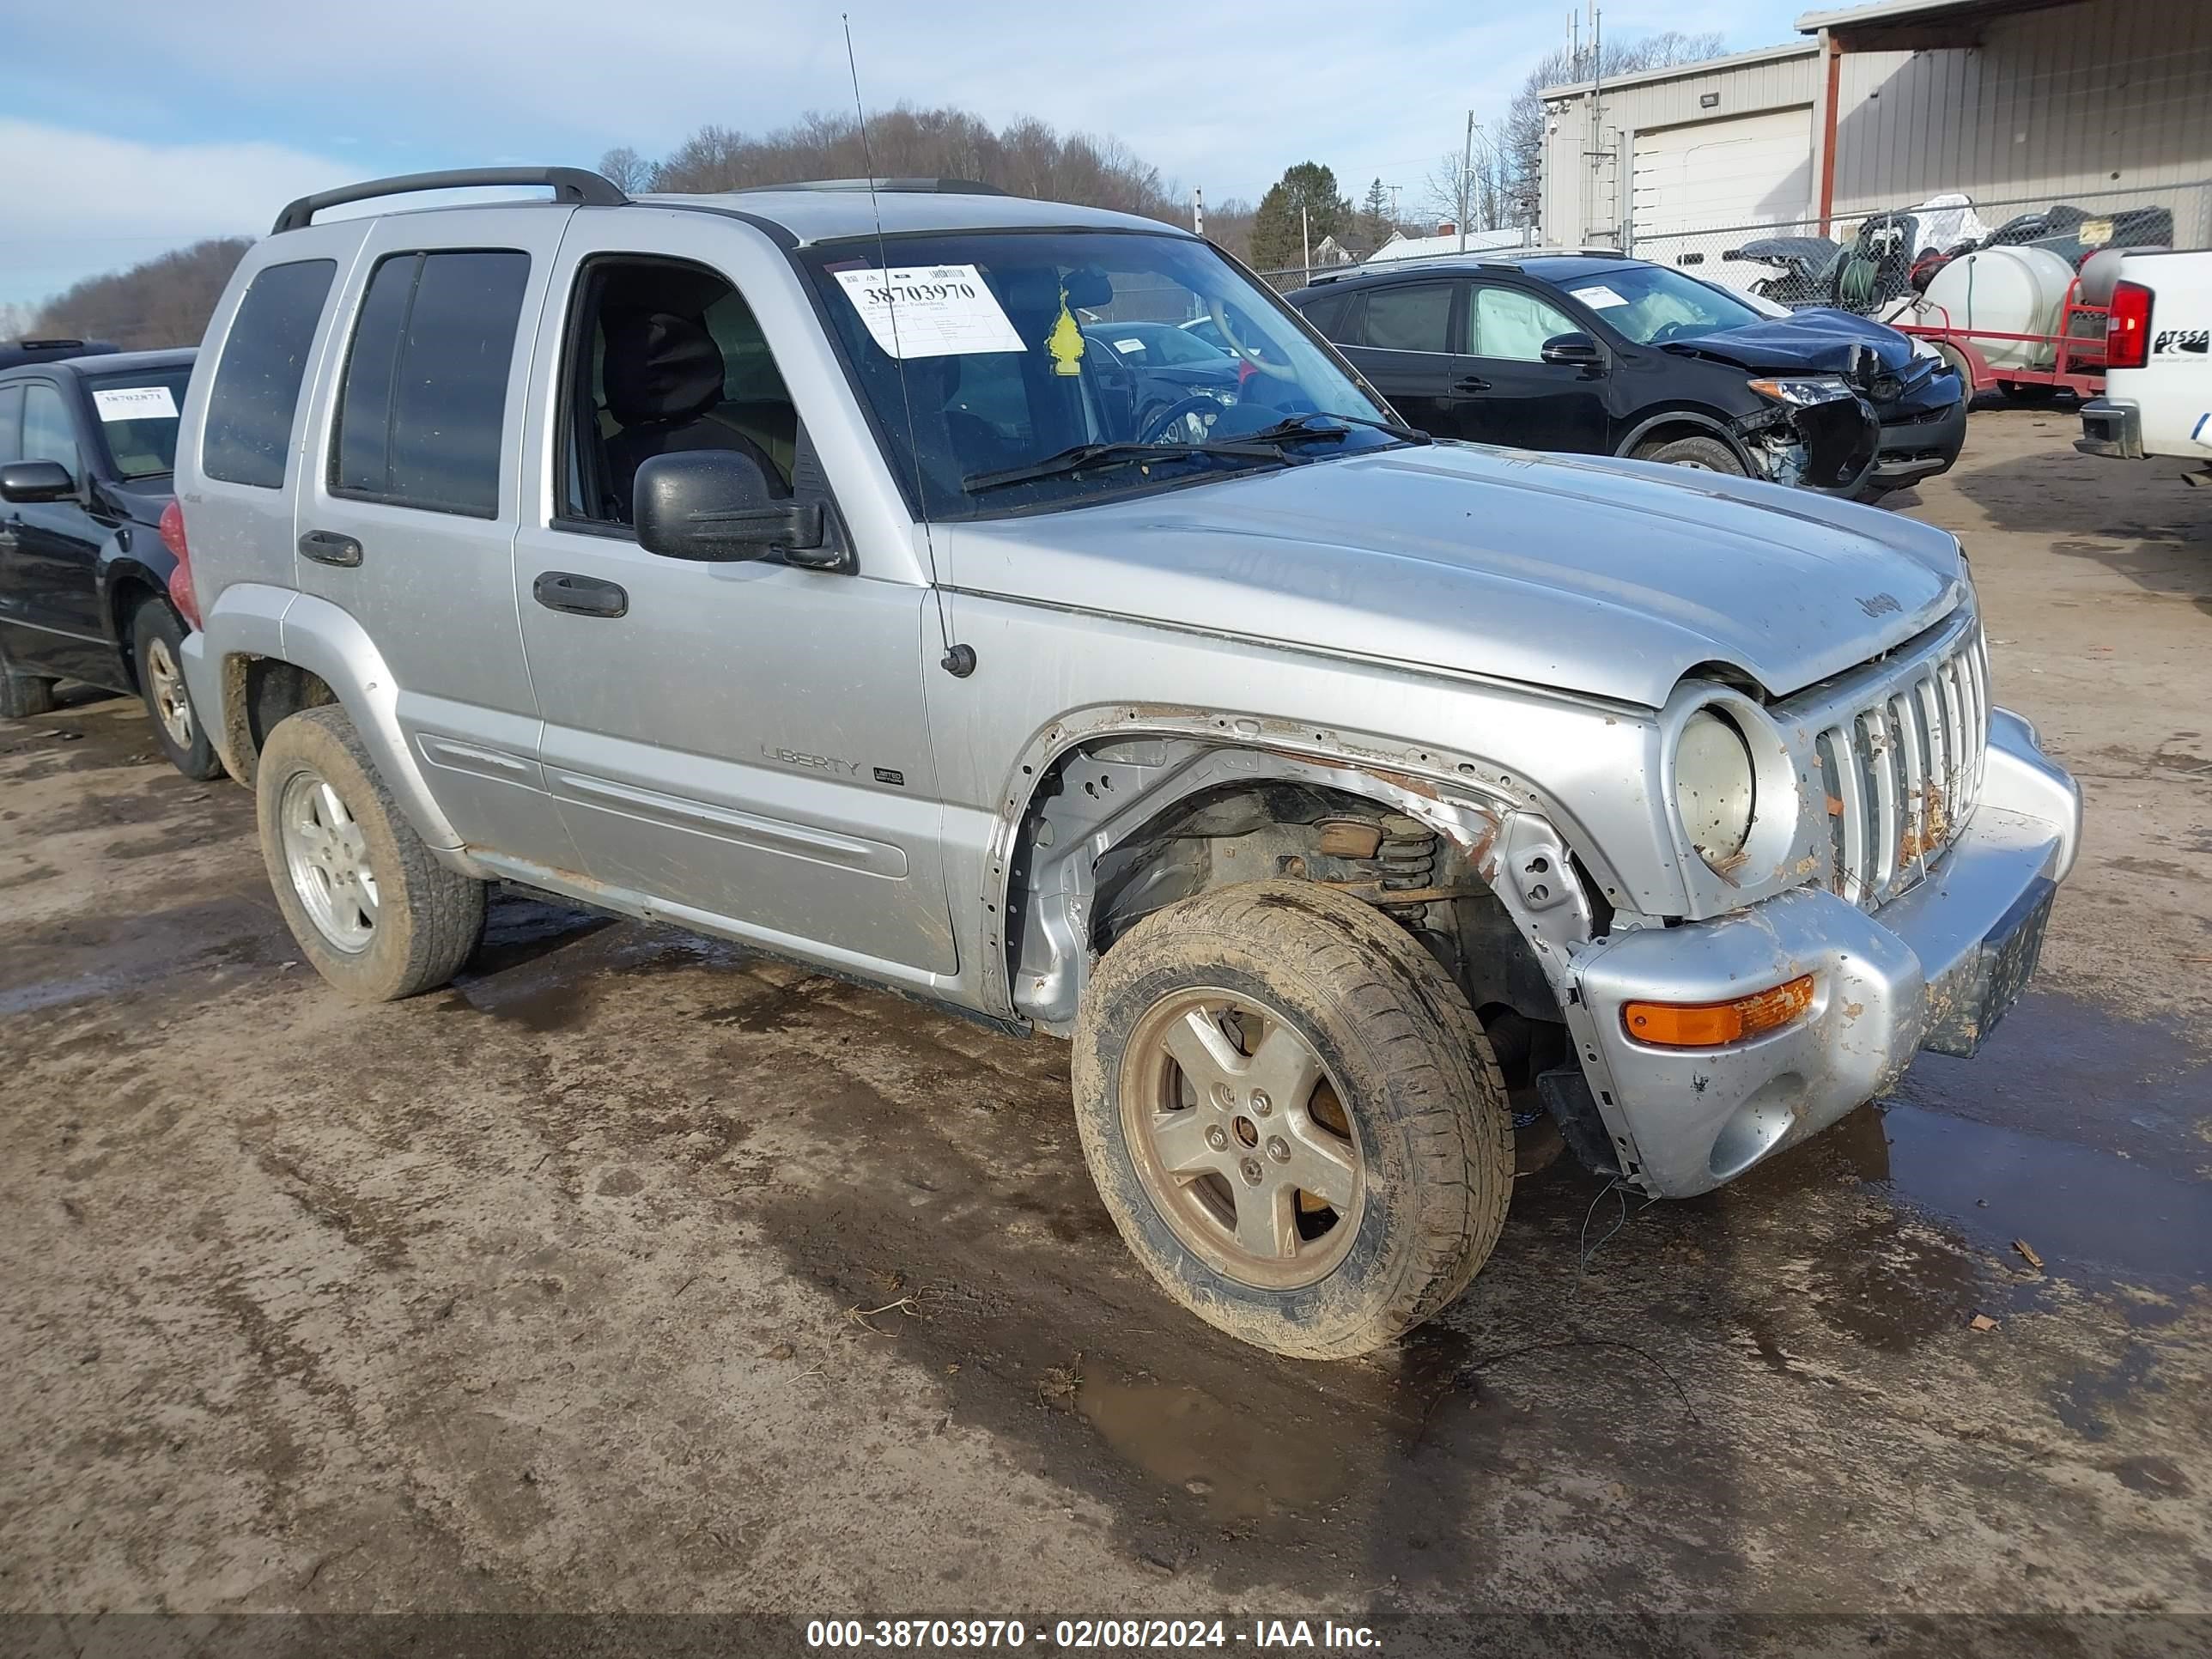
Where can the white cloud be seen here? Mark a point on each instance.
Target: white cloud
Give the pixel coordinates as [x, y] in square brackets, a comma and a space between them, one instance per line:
[1221, 97]
[73, 201]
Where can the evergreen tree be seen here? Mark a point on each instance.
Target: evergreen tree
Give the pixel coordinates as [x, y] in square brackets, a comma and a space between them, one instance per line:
[1279, 232]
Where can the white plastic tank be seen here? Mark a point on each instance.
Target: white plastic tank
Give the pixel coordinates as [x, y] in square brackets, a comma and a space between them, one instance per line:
[2011, 290]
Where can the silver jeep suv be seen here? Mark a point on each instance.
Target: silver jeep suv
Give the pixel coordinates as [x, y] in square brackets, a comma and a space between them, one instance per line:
[797, 566]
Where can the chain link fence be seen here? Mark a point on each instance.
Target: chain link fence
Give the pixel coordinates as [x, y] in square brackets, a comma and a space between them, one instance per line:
[1865, 262]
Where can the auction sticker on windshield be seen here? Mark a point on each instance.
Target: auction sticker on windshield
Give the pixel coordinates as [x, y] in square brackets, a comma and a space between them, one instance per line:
[930, 311]
[1598, 297]
[135, 402]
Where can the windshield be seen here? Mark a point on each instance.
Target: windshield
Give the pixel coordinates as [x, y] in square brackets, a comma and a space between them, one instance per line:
[1012, 348]
[1159, 345]
[138, 418]
[1652, 305]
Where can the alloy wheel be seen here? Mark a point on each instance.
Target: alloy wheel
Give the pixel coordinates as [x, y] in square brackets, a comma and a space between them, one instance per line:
[326, 854]
[1240, 1138]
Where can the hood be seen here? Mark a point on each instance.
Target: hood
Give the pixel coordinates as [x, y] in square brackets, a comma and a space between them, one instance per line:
[1603, 577]
[1820, 341]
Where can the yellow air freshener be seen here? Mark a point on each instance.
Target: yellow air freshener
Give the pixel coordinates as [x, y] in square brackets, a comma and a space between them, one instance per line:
[1065, 342]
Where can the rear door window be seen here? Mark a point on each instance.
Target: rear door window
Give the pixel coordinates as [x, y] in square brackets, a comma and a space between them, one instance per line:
[423, 406]
[256, 384]
[1417, 317]
[1326, 315]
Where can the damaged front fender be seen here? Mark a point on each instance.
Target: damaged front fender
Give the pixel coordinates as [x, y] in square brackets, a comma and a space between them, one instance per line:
[1824, 442]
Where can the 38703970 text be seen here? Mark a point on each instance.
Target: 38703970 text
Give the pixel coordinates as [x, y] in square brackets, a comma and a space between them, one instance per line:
[1088, 1635]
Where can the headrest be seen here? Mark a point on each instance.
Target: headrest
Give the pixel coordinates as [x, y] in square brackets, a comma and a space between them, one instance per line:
[659, 367]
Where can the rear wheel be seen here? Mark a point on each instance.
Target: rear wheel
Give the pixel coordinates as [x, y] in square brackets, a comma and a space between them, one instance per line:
[158, 638]
[1293, 1116]
[377, 915]
[1699, 454]
[22, 696]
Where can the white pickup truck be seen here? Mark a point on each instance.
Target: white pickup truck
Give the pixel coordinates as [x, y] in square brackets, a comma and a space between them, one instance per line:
[2158, 368]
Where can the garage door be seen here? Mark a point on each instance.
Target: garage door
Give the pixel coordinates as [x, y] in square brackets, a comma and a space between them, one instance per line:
[1749, 170]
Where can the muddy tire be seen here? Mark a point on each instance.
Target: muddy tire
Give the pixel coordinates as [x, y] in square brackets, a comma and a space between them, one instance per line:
[23, 695]
[377, 915]
[1702, 454]
[1278, 1036]
[157, 640]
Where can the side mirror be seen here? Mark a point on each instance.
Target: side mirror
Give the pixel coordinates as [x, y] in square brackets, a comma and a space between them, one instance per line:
[36, 481]
[1573, 351]
[717, 505]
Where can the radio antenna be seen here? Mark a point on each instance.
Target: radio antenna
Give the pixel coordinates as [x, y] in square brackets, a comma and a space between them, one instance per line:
[958, 660]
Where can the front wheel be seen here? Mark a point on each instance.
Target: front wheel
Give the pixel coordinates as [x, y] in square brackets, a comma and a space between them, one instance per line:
[378, 917]
[1293, 1116]
[157, 639]
[1699, 454]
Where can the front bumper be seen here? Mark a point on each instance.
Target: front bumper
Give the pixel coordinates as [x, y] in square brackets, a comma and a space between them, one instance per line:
[1919, 446]
[1913, 975]
[2111, 428]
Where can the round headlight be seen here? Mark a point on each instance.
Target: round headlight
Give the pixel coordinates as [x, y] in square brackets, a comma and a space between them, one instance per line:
[1714, 787]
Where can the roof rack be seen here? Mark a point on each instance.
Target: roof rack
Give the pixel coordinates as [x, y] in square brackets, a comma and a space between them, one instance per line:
[577, 187]
[905, 186]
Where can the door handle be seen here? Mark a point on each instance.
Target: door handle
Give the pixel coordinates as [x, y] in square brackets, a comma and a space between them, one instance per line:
[580, 596]
[328, 547]
[1471, 383]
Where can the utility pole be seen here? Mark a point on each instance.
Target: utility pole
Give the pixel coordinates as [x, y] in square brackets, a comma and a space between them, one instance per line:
[1305, 230]
[1466, 167]
[1394, 205]
[1198, 212]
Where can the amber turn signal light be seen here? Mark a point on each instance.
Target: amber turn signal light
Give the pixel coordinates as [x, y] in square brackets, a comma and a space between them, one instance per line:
[1716, 1024]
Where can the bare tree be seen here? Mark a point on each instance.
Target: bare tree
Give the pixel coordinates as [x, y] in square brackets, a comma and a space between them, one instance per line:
[15, 321]
[1027, 158]
[627, 170]
[164, 301]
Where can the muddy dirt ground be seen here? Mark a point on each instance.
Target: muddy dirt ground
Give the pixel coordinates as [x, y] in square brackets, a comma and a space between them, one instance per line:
[550, 1290]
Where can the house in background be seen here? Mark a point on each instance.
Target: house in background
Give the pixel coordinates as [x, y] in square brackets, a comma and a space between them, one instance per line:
[1446, 240]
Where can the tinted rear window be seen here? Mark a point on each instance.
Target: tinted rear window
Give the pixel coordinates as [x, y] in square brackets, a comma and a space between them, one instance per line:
[256, 384]
[1417, 318]
[424, 401]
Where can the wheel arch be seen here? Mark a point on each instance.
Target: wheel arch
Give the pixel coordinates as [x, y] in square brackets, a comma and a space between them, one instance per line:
[1667, 424]
[279, 652]
[1043, 905]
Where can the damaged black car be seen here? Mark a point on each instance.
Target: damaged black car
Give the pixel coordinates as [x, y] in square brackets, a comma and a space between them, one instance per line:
[1597, 354]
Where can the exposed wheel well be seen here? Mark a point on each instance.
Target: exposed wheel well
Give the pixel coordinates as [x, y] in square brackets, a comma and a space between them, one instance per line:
[257, 693]
[1094, 857]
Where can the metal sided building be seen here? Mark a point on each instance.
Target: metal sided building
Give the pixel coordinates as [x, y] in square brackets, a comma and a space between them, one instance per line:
[2018, 104]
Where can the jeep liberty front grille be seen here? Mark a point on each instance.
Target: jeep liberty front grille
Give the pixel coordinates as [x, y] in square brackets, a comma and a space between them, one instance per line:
[1902, 760]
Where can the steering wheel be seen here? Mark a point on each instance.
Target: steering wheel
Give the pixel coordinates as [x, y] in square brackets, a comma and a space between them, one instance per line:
[1195, 405]
[1220, 315]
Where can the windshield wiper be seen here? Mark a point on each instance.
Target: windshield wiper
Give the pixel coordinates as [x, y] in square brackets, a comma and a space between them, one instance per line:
[1304, 426]
[1081, 457]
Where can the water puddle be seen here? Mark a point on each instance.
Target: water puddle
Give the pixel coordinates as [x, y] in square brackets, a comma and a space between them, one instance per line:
[2085, 1212]
[1244, 1462]
[2071, 1071]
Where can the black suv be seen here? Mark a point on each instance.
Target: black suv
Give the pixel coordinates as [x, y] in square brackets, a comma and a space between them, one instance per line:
[87, 449]
[1597, 354]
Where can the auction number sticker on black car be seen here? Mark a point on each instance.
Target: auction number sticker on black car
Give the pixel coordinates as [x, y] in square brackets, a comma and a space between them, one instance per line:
[930, 311]
[135, 403]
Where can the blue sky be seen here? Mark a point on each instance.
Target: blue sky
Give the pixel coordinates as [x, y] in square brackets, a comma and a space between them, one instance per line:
[135, 126]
